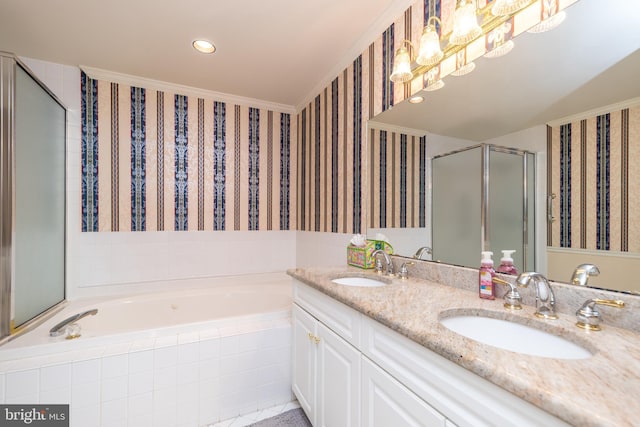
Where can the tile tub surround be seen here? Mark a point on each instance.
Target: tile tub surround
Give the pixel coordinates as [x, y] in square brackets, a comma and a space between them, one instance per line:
[187, 379]
[600, 390]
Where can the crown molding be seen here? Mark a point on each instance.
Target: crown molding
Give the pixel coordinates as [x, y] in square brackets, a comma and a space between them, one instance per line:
[112, 76]
[384, 20]
[371, 124]
[595, 112]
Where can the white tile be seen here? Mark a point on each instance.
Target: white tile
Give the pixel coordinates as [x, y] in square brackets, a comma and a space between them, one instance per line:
[188, 353]
[114, 388]
[83, 395]
[164, 398]
[165, 377]
[56, 376]
[55, 396]
[141, 405]
[209, 348]
[85, 417]
[187, 403]
[22, 383]
[2, 386]
[140, 383]
[188, 338]
[86, 371]
[114, 413]
[140, 361]
[143, 421]
[115, 366]
[24, 398]
[165, 357]
[248, 342]
[209, 369]
[188, 373]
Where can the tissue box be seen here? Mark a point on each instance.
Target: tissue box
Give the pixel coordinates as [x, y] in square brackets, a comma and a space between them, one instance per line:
[361, 256]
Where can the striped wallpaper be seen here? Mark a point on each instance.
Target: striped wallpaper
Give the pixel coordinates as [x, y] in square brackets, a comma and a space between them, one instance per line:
[153, 160]
[594, 172]
[332, 168]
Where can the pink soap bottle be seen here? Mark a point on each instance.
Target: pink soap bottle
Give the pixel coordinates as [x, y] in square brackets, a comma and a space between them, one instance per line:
[486, 288]
[506, 263]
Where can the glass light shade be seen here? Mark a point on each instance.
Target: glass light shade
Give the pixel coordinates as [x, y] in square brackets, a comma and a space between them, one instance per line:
[430, 52]
[401, 67]
[465, 25]
[464, 70]
[435, 85]
[501, 50]
[507, 7]
[416, 99]
[549, 23]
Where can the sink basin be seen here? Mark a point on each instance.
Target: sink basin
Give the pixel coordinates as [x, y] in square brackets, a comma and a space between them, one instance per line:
[358, 281]
[515, 337]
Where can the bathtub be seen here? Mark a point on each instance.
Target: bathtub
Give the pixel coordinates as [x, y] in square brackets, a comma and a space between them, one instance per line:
[184, 356]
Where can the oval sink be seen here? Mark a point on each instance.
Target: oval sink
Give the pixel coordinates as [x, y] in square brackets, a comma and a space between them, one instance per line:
[358, 281]
[515, 337]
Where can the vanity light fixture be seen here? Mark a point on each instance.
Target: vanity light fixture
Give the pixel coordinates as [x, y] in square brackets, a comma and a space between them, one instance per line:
[432, 80]
[551, 18]
[402, 64]
[462, 67]
[203, 46]
[430, 52]
[507, 7]
[496, 39]
[416, 99]
[465, 23]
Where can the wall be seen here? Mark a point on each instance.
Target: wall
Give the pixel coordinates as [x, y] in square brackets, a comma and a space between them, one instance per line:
[97, 261]
[594, 173]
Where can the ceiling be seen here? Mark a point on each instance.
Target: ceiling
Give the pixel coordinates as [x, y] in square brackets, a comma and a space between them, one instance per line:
[591, 60]
[276, 50]
[286, 51]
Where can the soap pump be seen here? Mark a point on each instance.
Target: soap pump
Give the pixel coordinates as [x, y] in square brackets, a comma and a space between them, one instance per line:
[486, 288]
[506, 263]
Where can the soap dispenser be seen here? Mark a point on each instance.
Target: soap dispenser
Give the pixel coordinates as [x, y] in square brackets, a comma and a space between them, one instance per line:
[506, 263]
[486, 288]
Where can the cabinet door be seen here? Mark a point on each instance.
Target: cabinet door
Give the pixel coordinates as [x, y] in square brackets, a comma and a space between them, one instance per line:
[304, 360]
[388, 403]
[338, 381]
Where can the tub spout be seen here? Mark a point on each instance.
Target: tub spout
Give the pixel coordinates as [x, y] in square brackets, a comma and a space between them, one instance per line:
[60, 328]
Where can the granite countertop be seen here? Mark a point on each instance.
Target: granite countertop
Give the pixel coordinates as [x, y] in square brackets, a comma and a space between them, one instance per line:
[601, 390]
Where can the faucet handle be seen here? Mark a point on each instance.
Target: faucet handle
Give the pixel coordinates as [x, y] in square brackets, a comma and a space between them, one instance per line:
[512, 299]
[404, 271]
[589, 316]
[379, 266]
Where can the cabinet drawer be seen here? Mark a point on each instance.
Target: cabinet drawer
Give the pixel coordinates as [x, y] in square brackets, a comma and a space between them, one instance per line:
[464, 397]
[341, 319]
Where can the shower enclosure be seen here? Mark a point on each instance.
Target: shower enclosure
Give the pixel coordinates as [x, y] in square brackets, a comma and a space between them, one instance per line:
[483, 200]
[32, 202]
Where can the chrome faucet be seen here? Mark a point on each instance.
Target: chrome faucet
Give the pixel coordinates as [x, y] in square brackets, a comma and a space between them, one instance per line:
[60, 328]
[387, 260]
[582, 272]
[422, 251]
[589, 316]
[545, 298]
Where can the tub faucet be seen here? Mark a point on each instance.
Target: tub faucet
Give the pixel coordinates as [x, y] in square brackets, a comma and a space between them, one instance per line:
[60, 328]
[582, 272]
[387, 260]
[545, 298]
[422, 251]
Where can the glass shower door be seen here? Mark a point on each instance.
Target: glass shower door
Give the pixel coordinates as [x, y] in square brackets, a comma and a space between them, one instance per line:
[38, 278]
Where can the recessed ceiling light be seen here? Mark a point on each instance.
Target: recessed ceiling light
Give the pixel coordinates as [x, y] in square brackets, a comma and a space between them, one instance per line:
[204, 46]
[416, 99]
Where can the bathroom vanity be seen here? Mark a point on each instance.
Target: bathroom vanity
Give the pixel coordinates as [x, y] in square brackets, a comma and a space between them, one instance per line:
[379, 356]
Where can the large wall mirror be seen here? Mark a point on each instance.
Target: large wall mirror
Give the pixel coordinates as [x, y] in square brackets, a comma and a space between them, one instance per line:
[574, 74]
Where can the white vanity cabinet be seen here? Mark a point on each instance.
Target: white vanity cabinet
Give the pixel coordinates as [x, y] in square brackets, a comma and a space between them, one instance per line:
[350, 370]
[326, 373]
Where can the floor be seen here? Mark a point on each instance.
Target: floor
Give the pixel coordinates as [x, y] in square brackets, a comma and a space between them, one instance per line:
[256, 416]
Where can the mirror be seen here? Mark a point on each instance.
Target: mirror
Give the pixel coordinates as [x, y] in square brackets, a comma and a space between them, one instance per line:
[573, 72]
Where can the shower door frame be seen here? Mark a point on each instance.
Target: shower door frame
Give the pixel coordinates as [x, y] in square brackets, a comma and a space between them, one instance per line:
[8, 75]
